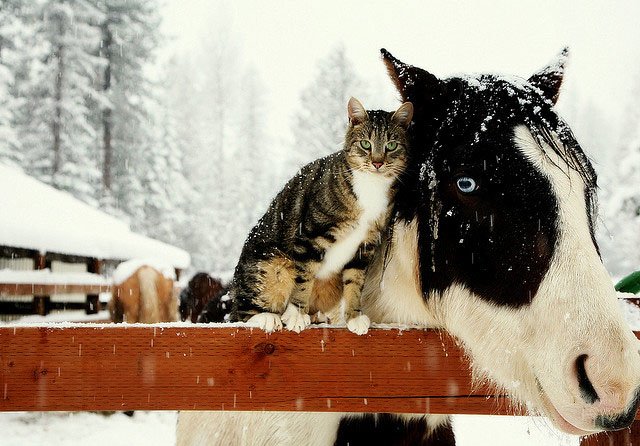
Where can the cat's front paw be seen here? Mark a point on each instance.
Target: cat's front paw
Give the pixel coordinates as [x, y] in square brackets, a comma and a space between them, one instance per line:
[268, 322]
[294, 319]
[359, 324]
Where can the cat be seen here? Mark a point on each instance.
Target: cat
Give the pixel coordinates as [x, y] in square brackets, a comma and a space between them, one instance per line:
[313, 245]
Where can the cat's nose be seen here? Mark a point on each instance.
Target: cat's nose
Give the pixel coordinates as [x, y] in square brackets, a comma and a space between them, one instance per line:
[377, 165]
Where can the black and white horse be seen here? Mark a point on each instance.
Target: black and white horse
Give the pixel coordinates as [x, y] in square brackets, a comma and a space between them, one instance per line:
[493, 241]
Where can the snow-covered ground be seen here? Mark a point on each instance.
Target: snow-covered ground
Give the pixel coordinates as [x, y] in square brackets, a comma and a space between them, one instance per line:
[84, 428]
[158, 429]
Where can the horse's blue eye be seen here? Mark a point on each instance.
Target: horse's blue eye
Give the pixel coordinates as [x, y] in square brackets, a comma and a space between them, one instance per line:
[466, 185]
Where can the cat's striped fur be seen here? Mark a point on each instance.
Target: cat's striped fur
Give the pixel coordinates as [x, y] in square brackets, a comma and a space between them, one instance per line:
[315, 241]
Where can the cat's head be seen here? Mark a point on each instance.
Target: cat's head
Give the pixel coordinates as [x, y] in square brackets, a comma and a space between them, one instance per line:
[376, 140]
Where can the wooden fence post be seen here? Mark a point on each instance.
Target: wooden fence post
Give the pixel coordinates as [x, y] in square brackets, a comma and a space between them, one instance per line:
[41, 304]
[93, 300]
[625, 437]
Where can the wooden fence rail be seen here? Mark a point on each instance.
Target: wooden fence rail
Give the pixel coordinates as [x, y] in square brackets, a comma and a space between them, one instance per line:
[42, 303]
[163, 367]
[160, 367]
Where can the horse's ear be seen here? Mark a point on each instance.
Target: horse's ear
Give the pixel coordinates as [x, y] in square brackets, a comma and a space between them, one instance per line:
[549, 79]
[412, 82]
[356, 111]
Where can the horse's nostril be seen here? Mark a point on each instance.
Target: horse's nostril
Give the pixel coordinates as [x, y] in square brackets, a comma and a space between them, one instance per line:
[587, 392]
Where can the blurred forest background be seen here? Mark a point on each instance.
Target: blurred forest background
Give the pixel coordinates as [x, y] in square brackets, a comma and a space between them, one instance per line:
[94, 102]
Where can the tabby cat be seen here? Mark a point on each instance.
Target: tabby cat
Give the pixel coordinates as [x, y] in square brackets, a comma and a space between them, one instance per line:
[314, 243]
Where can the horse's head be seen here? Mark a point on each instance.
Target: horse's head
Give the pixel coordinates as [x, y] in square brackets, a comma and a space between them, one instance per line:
[504, 199]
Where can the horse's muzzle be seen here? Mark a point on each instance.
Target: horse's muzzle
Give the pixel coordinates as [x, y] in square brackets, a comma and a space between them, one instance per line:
[622, 420]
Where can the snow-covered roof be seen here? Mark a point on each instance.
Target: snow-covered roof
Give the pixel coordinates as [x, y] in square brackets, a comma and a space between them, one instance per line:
[36, 216]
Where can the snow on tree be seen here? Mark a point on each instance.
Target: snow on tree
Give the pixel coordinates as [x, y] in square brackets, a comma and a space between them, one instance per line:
[167, 192]
[253, 151]
[620, 200]
[321, 122]
[129, 37]
[183, 118]
[216, 170]
[12, 34]
[621, 209]
[55, 85]
[244, 173]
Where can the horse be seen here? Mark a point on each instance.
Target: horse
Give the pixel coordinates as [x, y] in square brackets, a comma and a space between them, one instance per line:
[492, 240]
[145, 295]
[201, 290]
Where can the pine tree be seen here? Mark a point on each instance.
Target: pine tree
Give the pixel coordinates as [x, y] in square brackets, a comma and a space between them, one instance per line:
[129, 37]
[55, 88]
[166, 190]
[253, 152]
[621, 196]
[184, 126]
[243, 174]
[215, 215]
[12, 28]
[322, 119]
[621, 209]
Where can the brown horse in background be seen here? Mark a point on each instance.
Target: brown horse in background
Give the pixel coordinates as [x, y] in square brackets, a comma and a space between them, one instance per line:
[146, 296]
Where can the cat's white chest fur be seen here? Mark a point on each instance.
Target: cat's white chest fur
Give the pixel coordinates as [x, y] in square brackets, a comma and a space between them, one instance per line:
[372, 192]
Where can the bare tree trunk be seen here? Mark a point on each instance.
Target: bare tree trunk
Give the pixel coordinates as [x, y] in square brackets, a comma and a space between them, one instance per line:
[107, 39]
[56, 126]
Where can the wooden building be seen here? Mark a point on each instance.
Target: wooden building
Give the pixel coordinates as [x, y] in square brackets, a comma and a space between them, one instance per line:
[57, 252]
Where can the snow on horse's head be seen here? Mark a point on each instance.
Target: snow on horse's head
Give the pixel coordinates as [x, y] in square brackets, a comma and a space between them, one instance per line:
[502, 201]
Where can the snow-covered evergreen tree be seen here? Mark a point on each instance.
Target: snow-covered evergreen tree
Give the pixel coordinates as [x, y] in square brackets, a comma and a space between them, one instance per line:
[55, 87]
[211, 106]
[129, 37]
[621, 211]
[167, 192]
[12, 33]
[253, 151]
[183, 119]
[243, 178]
[621, 195]
[322, 119]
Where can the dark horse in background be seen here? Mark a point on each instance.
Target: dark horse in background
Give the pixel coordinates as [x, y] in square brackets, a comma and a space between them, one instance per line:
[492, 241]
[202, 291]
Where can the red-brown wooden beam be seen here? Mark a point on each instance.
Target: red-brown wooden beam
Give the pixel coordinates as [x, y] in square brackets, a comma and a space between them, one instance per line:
[153, 368]
[120, 367]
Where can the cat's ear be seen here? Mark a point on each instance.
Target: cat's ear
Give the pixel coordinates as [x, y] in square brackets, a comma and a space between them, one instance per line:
[403, 115]
[414, 84]
[357, 113]
[549, 79]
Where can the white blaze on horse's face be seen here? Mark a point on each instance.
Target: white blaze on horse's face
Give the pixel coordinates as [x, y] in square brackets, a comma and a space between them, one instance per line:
[569, 353]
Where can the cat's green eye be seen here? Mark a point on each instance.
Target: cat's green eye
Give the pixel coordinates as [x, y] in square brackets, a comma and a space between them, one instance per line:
[391, 146]
[365, 144]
